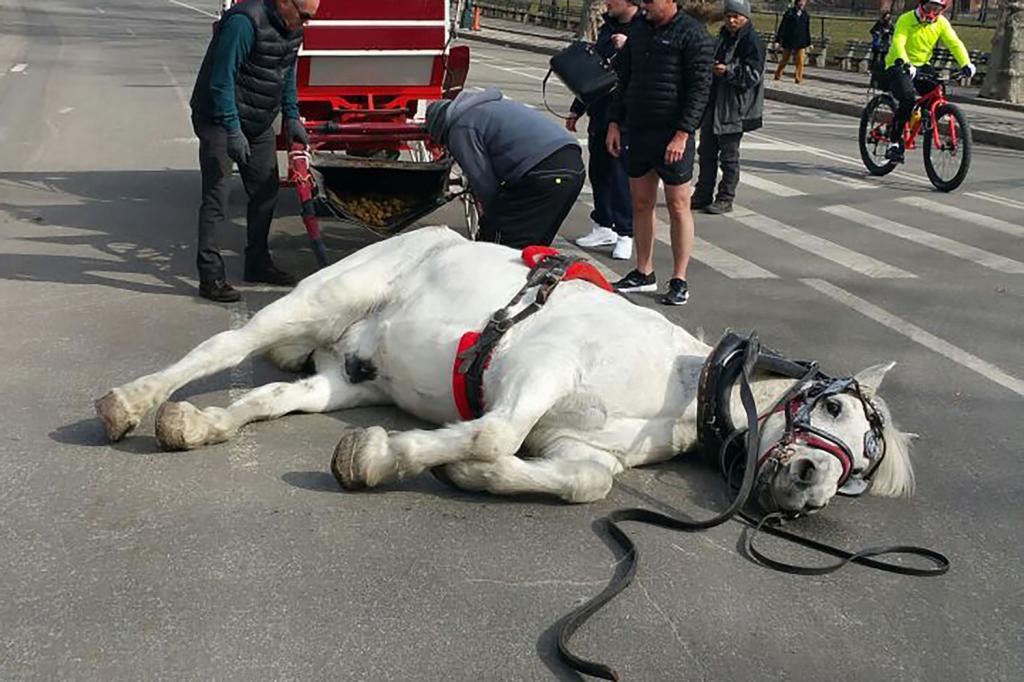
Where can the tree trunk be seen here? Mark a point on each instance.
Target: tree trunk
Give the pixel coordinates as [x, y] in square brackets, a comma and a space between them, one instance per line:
[1005, 77]
[590, 16]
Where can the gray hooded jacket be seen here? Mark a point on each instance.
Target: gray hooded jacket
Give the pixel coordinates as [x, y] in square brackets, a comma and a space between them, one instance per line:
[497, 140]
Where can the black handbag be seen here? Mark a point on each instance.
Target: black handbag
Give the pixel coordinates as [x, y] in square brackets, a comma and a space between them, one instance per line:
[587, 75]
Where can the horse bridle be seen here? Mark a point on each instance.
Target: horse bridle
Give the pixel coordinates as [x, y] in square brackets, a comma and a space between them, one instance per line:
[798, 406]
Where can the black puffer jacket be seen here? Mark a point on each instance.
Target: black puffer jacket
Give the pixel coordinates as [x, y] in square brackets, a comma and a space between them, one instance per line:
[666, 76]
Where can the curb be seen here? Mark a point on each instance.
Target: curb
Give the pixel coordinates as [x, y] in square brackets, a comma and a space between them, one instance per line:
[508, 42]
[980, 135]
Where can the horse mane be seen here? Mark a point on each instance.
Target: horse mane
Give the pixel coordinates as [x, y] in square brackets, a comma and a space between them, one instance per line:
[895, 475]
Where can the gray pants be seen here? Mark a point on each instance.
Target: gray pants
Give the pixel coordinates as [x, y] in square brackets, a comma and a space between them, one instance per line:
[715, 151]
[259, 176]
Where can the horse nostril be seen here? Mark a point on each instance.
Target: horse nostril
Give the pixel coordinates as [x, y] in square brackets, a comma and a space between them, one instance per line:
[803, 470]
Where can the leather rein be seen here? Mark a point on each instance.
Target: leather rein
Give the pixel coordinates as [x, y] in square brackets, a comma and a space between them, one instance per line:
[734, 360]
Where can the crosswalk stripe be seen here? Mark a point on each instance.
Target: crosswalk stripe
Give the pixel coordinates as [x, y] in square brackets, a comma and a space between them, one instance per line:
[953, 248]
[769, 186]
[915, 333]
[996, 199]
[966, 216]
[823, 248]
[716, 258]
[845, 181]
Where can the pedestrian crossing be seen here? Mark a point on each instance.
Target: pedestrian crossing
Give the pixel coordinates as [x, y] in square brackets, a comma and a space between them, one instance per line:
[843, 220]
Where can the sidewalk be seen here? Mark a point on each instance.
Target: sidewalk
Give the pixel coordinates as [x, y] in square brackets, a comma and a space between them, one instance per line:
[841, 92]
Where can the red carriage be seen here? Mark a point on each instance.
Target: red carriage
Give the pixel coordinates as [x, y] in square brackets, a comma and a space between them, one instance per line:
[364, 74]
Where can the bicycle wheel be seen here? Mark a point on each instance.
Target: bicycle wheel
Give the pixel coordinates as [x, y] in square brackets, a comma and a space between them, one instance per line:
[875, 123]
[947, 164]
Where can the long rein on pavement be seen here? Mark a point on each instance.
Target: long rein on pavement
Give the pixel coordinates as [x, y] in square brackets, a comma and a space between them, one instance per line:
[866, 557]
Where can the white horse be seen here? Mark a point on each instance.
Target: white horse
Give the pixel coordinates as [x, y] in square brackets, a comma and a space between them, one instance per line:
[588, 386]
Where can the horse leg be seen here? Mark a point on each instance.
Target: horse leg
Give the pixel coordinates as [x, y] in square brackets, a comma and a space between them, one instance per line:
[182, 426]
[574, 472]
[366, 457]
[122, 408]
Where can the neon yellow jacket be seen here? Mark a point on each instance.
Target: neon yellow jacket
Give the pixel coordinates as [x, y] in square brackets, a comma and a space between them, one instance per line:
[913, 41]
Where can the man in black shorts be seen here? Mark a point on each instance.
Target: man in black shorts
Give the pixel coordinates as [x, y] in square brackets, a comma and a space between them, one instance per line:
[664, 86]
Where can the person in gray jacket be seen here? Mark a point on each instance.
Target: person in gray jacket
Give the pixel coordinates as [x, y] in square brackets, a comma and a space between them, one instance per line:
[735, 106]
[524, 169]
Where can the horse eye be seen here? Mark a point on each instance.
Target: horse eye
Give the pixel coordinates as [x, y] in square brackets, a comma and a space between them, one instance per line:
[834, 408]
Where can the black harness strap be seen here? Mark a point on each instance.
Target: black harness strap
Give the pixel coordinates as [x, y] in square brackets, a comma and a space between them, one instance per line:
[545, 275]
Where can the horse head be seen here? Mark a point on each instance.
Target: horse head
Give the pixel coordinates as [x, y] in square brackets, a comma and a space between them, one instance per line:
[834, 436]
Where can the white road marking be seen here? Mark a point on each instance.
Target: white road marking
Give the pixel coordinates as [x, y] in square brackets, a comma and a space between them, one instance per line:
[194, 9]
[822, 248]
[716, 258]
[965, 216]
[805, 124]
[769, 186]
[834, 156]
[845, 181]
[953, 248]
[101, 10]
[763, 147]
[177, 88]
[915, 333]
[996, 199]
[130, 30]
[66, 110]
[730, 265]
[18, 68]
[484, 62]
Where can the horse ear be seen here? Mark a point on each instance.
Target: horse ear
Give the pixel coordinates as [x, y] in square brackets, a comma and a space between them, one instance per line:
[871, 378]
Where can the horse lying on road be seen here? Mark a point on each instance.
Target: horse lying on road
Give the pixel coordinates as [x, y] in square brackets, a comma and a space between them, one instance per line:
[585, 388]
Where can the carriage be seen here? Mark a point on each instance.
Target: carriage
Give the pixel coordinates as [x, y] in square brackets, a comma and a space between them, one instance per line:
[364, 74]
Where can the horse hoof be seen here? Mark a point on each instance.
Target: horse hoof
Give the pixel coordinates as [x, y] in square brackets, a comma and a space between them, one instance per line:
[117, 419]
[361, 458]
[176, 427]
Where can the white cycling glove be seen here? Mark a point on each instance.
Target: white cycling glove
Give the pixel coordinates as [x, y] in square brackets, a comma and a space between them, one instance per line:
[912, 70]
[970, 69]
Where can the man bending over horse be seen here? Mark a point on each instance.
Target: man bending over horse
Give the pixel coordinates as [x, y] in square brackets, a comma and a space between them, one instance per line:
[524, 169]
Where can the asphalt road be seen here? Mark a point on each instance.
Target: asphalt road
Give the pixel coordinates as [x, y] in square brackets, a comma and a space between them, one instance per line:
[245, 561]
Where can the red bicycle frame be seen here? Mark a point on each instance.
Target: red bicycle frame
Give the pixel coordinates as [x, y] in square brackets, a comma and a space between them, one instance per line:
[930, 101]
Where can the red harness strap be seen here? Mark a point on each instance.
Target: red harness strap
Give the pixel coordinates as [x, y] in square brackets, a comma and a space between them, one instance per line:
[531, 256]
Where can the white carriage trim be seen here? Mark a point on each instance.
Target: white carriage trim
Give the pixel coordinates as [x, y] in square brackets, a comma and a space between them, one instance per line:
[314, 23]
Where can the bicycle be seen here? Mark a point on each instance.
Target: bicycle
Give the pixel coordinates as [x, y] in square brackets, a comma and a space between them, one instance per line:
[947, 133]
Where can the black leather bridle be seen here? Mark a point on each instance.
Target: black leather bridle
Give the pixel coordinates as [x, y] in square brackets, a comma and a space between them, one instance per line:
[734, 360]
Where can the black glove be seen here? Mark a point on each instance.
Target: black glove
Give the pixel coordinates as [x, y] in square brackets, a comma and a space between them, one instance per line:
[238, 147]
[295, 132]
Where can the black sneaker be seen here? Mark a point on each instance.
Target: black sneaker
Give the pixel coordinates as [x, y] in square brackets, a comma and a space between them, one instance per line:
[636, 281]
[220, 291]
[677, 294]
[719, 207]
[895, 152]
[268, 273]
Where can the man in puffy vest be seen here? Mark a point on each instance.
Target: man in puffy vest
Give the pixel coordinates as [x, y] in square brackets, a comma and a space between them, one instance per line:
[246, 79]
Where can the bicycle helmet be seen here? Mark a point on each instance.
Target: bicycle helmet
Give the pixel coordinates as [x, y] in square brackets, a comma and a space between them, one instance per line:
[929, 11]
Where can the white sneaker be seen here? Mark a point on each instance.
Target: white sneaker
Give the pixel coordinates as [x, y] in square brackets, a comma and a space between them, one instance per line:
[599, 236]
[623, 248]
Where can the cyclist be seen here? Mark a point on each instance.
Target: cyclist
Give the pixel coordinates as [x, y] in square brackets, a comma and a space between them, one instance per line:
[913, 40]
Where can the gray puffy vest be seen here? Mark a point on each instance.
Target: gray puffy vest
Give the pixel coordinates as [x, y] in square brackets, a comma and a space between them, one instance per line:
[259, 82]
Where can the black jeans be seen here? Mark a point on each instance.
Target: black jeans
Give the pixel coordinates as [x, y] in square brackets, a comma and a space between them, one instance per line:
[613, 206]
[900, 84]
[259, 176]
[530, 210]
[715, 150]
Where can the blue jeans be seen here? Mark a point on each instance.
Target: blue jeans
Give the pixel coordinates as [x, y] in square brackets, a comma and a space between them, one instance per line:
[613, 206]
